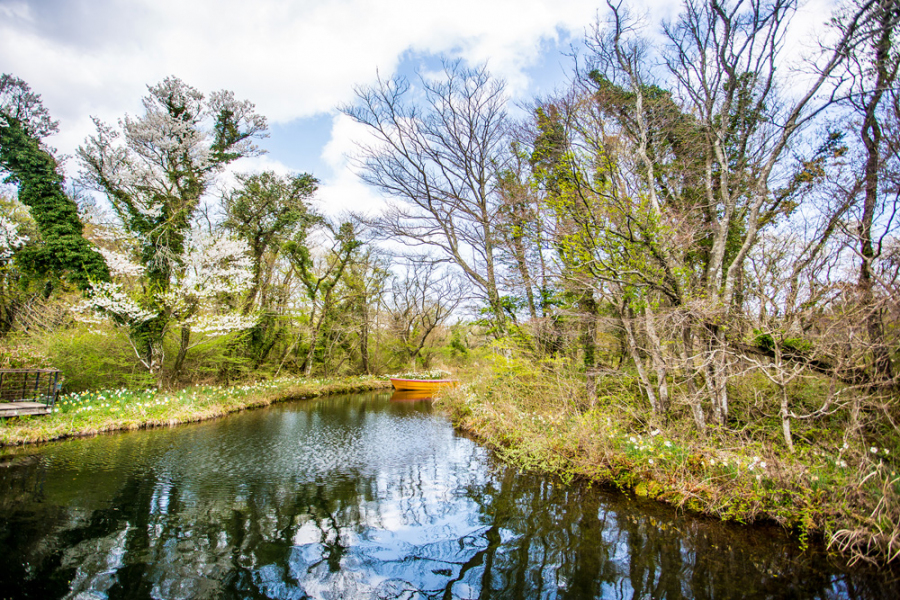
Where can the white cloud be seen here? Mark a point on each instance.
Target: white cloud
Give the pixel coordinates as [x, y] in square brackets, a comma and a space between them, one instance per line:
[293, 59]
[16, 10]
[341, 191]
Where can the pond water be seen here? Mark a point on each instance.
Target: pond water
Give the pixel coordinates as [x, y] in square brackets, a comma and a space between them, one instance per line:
[361, 497]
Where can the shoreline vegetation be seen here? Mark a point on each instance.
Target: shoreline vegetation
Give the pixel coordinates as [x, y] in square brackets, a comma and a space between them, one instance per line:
[539, 418]
[833, 488]
[90, 413]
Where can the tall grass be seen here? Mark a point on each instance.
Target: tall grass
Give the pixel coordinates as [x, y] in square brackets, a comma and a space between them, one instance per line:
[539, 415]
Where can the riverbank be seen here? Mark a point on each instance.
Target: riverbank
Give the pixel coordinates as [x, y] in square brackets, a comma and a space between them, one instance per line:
[90, 413]
[840, 489]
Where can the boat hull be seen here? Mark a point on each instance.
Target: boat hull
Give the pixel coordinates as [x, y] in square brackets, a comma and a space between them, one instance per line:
[411, 396]
[422, 385]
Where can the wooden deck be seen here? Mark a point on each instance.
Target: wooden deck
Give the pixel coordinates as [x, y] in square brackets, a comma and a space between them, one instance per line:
[28, 391]
[20, 409]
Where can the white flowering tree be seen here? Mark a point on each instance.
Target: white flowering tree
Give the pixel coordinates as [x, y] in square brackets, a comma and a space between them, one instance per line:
[17, 230]
[199, 301]
[155, 170]
[10, 239]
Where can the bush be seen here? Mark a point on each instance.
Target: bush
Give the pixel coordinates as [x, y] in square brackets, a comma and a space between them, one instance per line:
[93, 357]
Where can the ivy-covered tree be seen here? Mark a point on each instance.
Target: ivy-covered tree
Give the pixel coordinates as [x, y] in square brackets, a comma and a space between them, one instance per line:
[61, 252]
[267, 211]
[320, 277]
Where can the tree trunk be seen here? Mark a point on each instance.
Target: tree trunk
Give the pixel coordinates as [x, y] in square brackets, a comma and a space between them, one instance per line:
[785, 409]
[313, 340]
[716, 372]
[589, 308]
[659, 362]
[690, 370]
[631, 342]
[522, 265]
[314, 332]
[871, 134]
[364, 340]
[182, 352]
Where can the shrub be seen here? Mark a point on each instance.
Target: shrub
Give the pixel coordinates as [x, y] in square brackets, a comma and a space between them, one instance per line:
[93, 357]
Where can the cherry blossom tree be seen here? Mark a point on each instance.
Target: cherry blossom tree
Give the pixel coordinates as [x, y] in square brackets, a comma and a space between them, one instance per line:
[199, 300]
[10, 239]
[155, 169]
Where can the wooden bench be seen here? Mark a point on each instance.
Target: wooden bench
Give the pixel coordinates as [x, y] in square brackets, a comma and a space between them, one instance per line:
[28, 391]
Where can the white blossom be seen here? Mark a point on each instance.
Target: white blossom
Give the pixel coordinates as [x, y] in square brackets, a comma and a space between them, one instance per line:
[84, 313]
[111, 299]
[222, 324]
[216, 266]
[10, 239]
[120, 265]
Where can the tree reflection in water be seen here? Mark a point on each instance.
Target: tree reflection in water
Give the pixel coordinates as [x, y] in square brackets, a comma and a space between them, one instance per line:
[361, 498]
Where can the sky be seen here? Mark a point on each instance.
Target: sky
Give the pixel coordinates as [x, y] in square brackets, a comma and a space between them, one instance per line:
[297, 60]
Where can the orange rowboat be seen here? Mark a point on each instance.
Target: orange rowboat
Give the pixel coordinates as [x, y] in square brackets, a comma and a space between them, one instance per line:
[422, 385]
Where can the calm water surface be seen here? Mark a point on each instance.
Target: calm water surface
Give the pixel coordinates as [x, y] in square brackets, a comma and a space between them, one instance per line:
[361, 497]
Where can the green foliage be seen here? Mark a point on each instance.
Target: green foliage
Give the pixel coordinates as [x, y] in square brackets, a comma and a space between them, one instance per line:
[213, 361]
[314, 283]
[93, 357]
[61, 252]
[320, 280]
[18, 352]
[767, 342]
[457, 348]
[272, 214]
[536, 415]
[267, 210]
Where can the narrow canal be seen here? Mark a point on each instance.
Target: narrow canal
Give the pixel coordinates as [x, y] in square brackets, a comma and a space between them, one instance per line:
[361, 497]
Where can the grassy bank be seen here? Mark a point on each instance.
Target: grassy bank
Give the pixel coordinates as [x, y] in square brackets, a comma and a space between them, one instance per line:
[841, 488]
[90, 413]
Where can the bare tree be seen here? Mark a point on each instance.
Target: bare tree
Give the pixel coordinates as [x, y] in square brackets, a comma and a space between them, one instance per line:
[871, 76]
[419, 302]
[725, 61]
[437, 157]
[697, 161]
